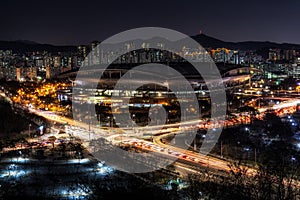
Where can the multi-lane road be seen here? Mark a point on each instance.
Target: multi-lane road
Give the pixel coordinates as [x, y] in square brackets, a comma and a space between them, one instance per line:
[87, 132]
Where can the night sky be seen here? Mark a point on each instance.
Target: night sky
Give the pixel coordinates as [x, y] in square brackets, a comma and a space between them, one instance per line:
[70, 22]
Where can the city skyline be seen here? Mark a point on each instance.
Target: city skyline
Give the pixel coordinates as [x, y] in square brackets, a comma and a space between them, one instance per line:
[181, 100]
[65, 23]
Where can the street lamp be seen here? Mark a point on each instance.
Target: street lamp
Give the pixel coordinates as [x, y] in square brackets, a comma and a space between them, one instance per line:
[108, 121]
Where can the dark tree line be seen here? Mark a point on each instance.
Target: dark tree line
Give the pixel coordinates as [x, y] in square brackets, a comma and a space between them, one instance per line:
[237, 184]
[10, 122]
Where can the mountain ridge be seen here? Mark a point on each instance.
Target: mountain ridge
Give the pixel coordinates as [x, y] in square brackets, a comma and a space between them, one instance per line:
[22, 46]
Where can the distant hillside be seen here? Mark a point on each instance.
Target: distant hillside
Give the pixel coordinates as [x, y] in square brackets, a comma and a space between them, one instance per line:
[22, 46]
[207, 41]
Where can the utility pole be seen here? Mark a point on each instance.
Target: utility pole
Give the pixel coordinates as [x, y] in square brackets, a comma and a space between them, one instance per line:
[89, 123]
[89, 130]
[207, 161]
[29, 129]
[221, 149]
[255, 155]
